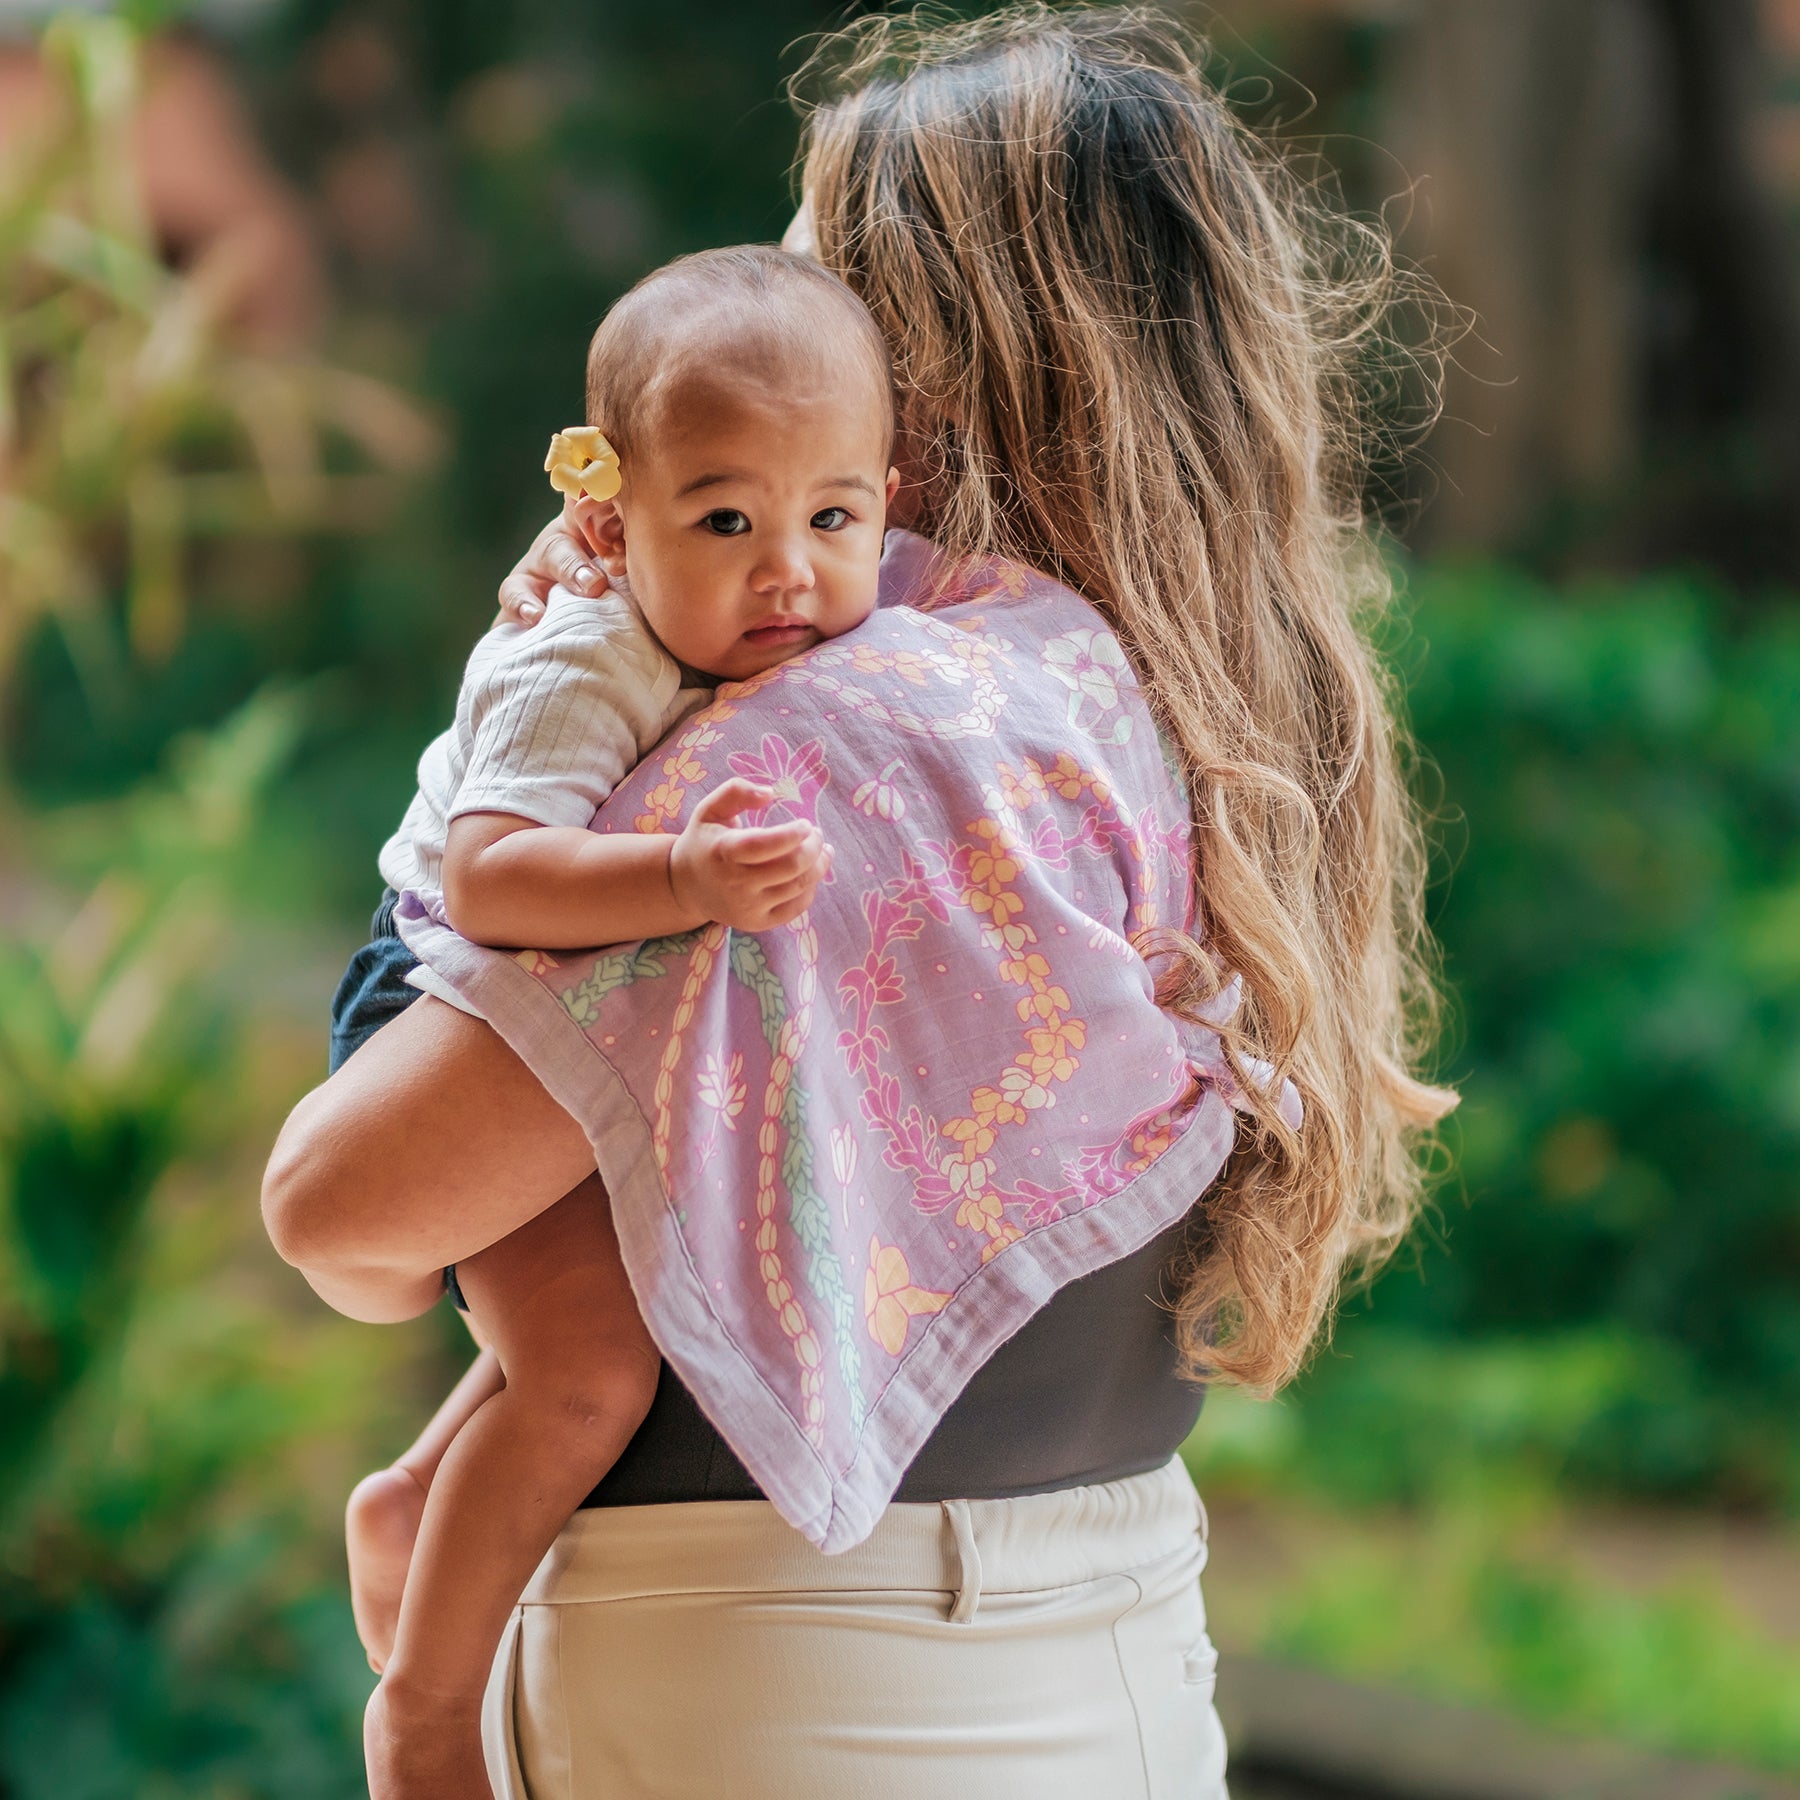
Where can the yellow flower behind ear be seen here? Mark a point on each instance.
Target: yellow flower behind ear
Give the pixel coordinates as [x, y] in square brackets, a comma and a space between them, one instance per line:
[581, 461]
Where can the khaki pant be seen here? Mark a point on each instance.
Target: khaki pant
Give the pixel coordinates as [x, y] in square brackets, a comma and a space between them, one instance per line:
[1052, 1647]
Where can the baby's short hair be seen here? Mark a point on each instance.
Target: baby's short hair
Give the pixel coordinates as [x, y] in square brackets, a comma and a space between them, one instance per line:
[753, 304]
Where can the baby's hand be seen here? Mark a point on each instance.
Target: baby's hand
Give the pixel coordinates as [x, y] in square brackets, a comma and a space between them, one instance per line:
[750, 877]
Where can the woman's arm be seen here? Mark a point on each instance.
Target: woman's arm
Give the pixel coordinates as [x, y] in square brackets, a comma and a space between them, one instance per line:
[432, 1142]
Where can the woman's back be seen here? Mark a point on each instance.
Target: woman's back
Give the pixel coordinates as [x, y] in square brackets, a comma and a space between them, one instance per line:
[1088, 1391]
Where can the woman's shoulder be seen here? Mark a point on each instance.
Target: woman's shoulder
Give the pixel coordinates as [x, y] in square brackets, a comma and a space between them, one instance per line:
[916, 572]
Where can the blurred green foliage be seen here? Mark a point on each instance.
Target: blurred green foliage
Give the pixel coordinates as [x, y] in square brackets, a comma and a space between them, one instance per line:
[1607, 1289]
[164, 1628]
[169, 1617]
[108, 1053]
[1468, 1606]
[130, 427]
[1618, 928]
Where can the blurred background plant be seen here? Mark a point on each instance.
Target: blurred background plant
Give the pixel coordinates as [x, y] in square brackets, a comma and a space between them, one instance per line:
[165, 1621]
[259, 257]
[131, 426]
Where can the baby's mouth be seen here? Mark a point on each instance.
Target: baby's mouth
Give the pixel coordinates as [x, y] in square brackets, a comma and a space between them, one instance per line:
[777, 636]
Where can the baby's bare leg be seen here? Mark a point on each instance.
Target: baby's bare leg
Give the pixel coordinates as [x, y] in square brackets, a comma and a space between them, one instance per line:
[381, 1520]
[580, 1372]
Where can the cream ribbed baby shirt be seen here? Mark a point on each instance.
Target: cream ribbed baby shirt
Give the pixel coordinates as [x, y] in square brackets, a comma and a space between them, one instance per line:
[549, 720]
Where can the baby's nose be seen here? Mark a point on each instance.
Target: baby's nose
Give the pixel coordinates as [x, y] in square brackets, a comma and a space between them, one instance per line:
[787, 569]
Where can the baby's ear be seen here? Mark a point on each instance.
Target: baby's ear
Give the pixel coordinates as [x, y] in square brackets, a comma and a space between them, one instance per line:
[601, 526]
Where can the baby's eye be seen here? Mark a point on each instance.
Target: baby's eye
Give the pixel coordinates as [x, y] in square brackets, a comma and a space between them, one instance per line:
[833, 518]
[726, 521]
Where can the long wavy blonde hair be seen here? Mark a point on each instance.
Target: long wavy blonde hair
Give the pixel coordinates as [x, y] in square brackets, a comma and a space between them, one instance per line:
[1133, 348]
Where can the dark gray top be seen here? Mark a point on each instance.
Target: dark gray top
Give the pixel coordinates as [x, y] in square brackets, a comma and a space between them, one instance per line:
[1086, 1391]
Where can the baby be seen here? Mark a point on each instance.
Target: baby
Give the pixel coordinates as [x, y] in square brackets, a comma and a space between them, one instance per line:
[743, 481]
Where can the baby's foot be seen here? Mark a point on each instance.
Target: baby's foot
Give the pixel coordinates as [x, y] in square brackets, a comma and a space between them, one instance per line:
[381, 1525]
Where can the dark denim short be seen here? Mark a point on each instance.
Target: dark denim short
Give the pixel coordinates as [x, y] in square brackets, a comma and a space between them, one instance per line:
[374, 991]
[374, 988]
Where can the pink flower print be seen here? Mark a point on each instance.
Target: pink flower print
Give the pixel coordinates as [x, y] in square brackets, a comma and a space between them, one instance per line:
[876, 981]
[890, 1300]
[535, 962]
[1091, 665]
[878, 798]
[1046, 1203]
[914, 886]
[795, 775]
[722, 1087]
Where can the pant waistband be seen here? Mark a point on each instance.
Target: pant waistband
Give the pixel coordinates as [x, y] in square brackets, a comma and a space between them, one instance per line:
[959, 1547]
[381, 924]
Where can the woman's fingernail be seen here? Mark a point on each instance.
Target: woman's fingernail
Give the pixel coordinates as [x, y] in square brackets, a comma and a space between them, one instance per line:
[530, 610]
[587, 579]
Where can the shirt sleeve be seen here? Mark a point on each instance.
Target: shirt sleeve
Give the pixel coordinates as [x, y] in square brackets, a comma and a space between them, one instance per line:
[558, 713]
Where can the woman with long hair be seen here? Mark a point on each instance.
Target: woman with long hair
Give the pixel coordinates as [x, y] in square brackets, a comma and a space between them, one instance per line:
[1133, 351]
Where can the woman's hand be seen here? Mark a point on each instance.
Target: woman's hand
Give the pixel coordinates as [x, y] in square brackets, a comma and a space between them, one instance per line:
[560, 556]
[415, 1750]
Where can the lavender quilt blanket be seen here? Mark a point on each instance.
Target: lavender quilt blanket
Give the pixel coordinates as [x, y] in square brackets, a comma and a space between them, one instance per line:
[850, 1157]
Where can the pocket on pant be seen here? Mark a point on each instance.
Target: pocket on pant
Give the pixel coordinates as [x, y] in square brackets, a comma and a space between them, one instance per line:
[1169, 1663]
[1200, 1665]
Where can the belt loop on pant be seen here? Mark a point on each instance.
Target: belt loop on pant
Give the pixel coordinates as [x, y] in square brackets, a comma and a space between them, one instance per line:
[968, 1560]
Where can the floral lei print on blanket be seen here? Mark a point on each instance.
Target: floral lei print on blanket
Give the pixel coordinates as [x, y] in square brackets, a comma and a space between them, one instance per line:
[849, 1156]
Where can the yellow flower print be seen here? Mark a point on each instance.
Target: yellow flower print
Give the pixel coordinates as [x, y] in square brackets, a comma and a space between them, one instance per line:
[1068, 778]
[581, 461]
[890, 1301]
[1017, 791]
[981, 1212]
[1022, 1090]
[976, 1135]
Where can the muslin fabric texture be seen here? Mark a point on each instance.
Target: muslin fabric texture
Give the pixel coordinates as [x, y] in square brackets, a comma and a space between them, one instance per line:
[1046, 1648]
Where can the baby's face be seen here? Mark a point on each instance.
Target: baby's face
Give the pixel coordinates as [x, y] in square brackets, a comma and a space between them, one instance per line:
[751, 524]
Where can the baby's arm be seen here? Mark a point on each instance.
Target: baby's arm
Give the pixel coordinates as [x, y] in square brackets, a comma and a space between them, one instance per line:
[511, 881]
[580, 1372]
